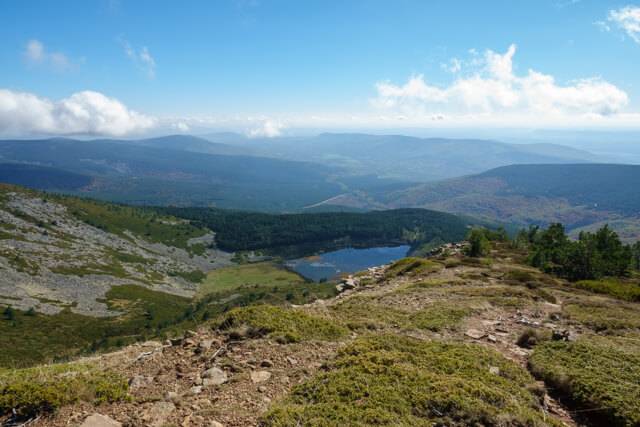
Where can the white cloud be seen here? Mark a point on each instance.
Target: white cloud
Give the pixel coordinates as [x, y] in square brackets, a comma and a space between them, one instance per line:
[269, 129]
[603, 26]
[35, 51]
[142, 59]
[36, 55]
[86, 112]
[628, 19]
[495, 90]
[567, 3]
[455, 66]
[180, 127]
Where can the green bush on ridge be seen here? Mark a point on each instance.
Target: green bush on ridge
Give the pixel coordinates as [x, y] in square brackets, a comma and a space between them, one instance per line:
[600, 378]
[287, 325]
[393, 380]
[44, 389]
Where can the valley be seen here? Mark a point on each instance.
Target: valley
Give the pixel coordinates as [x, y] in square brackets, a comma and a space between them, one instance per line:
[280, 213]
[89, 275]
[196, 315]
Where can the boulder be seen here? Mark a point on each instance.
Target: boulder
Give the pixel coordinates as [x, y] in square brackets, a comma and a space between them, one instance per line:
[159, 412]
[475, 334]
[140, 381]
[213, 376]
[99, 420]
[260, 376]
[196, 389]
[172, 396]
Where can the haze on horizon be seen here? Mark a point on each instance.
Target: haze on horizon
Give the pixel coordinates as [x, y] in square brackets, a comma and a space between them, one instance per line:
[268, 68]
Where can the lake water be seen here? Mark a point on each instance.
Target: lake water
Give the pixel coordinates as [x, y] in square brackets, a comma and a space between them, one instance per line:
[331, 265]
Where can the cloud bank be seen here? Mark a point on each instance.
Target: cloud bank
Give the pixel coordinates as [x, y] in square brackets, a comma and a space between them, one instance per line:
[494, 90]
[87, 112]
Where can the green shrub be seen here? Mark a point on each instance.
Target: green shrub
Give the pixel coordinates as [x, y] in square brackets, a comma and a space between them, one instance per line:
[412, 266]
[602, 316]
[284, 324]
[440, 316]
[479, 245]
[194, 276]
[521, 276]
[44, 389]
[393, 380]
[618, 290]
[600, 379]
[530, 337]
[427, 284]
[362, 313]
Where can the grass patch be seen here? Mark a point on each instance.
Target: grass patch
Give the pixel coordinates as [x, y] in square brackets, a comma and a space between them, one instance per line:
[20, 261]
[412, 267]
[193, 276]
[427, 284]
[197, 249]
[531, 337]
[114, 269]
[44, 389]
[359, 313]
[623, 291]
[260, 273]
[286, 325]
[27, 339]
[393, 380]
[521, 276]
[130, 258]
[601, 379]
[602, 316]
[440, 316]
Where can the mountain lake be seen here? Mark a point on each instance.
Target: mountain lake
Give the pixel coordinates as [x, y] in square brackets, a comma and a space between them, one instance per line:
[333, 265]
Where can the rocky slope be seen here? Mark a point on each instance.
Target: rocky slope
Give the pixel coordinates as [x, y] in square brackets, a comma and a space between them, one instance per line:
[446, 340]
[56, 252]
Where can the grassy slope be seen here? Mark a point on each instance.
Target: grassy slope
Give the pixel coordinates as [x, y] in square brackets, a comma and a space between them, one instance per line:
[262, 273]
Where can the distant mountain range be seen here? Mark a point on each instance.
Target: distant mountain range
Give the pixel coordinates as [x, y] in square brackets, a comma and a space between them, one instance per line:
[271, 174]
[165, 171]
[581, 196]
[406, 158]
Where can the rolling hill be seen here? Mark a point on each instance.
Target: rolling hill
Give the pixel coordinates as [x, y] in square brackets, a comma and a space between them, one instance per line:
[578, 195]
[406, 158]
[155, 172]
[278, 174]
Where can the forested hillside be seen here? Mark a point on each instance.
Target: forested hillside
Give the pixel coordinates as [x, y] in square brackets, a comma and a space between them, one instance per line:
[236, 230]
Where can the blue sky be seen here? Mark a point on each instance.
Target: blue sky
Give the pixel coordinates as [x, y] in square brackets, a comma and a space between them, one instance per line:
[127, 67]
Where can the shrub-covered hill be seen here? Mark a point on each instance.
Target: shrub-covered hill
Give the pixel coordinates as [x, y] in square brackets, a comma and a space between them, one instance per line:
[578, 195]
[447, 340]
